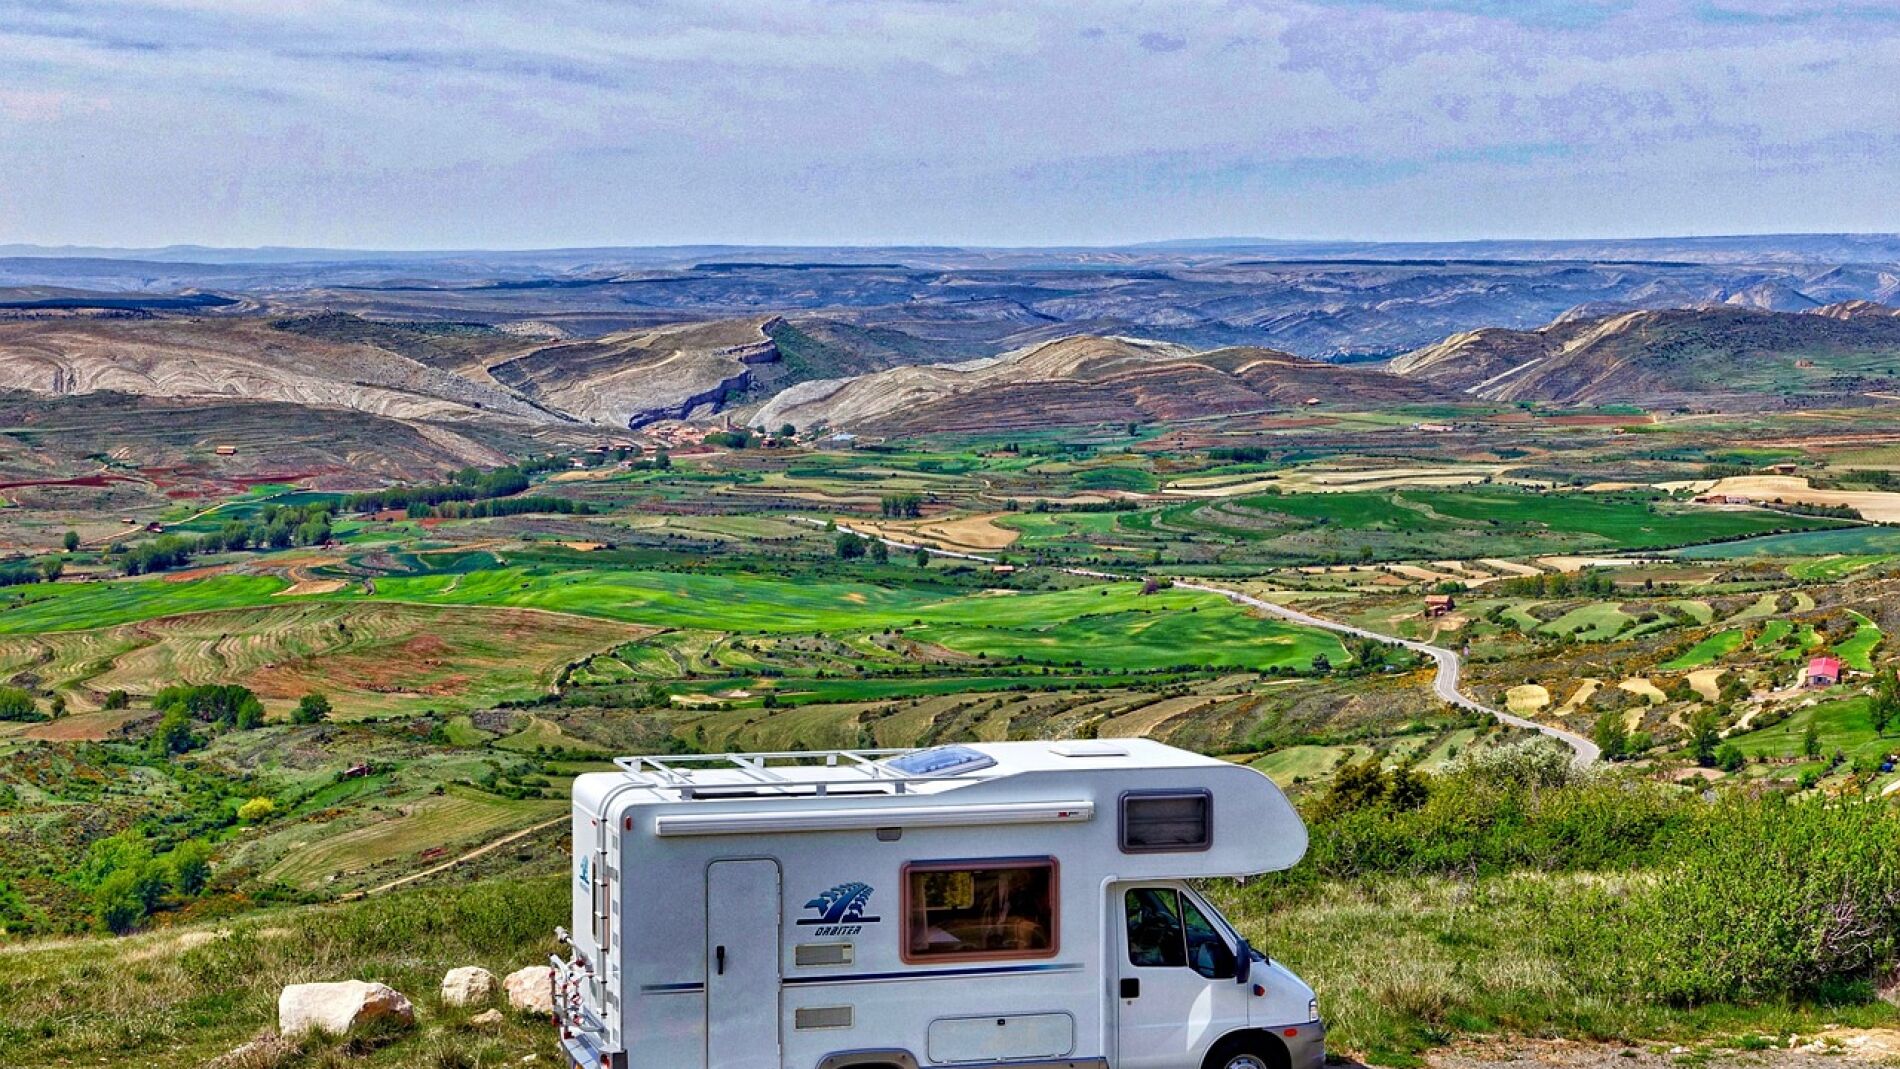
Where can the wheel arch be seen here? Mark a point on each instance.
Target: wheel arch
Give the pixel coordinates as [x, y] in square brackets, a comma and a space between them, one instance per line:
[1257, 1041]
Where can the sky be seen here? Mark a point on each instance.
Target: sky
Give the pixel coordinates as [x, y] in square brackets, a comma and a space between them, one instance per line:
[423, 124]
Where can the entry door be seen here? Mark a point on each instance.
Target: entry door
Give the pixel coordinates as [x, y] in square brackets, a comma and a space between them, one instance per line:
[742, 965]
[1172, 1002]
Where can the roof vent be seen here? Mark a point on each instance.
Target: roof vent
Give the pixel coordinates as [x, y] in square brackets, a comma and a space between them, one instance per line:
[941, 761]
[1088, 749]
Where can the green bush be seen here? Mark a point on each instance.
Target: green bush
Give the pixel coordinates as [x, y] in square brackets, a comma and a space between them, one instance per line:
[1771, 898]
[1497, 811]
[18, 704]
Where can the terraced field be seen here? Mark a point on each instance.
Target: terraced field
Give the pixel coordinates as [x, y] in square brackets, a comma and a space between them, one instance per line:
[372, 659]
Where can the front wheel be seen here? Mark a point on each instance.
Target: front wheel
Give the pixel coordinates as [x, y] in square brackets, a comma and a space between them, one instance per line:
[1238, 1053]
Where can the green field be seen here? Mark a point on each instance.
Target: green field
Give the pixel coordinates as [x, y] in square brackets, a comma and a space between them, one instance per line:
[1108, 626]
[1858, 652]
[1486, 521]
[456, 818]
[1860, 541]
[1715, 647]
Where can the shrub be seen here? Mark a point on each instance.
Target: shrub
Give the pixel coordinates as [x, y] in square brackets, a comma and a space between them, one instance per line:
[256, 809]
[1772, 898]
[17, 704]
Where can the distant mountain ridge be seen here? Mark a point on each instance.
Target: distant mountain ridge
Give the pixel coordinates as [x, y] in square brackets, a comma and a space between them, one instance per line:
[1720, 356]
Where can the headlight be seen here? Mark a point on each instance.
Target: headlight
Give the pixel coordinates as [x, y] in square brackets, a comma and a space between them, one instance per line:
[1312, 1009]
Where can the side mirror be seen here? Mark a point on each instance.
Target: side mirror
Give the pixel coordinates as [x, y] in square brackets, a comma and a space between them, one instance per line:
[1243, 961]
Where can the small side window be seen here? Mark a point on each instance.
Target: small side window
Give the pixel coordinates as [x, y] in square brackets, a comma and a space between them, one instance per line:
[1156, 822]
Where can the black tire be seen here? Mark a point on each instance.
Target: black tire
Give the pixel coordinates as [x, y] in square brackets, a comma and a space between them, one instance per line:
[1247, 1050]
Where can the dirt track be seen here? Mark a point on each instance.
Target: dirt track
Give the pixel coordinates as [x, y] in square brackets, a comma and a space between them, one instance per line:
[1841, 1047]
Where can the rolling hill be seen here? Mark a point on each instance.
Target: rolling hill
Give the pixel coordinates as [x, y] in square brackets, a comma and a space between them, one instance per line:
[1710, 357]
[1082, 380]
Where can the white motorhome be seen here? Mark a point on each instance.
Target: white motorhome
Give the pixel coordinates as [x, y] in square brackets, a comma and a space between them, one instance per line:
[1021, 904]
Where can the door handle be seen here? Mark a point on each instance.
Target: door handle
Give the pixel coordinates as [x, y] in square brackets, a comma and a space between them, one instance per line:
[1131, 988]
[719, 956]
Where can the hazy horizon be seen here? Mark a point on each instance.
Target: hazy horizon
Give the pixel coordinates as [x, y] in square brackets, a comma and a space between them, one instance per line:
[1189, 243]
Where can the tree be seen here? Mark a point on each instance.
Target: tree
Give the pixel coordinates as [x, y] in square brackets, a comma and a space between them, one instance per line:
[116, 904]
[52, 568]
[312, 708]
[1704, 737]
[880, 553]
[1322, 664]
[18, 704]
[1356, 785]
[787, 431]
[1885, 704]
[70, 541]
[1811, 741]
[173, 734]
[921, 557]
[1729, 757]
[191, 866]
[1408, 788]
[117, 699]
[849, 546]
[1611, 735]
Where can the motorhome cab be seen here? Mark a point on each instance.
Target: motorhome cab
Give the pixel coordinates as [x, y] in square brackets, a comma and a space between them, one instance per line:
[1020, 904]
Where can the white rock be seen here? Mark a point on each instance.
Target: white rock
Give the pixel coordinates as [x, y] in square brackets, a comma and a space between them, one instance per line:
[468, 985]
[531, 990]
[337, 1008]
[486, 1019]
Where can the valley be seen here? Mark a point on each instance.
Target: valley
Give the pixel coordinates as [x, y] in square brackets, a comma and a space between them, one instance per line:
[339, 585]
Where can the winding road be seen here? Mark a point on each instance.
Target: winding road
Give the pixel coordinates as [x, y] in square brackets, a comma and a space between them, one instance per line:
[1444, 684]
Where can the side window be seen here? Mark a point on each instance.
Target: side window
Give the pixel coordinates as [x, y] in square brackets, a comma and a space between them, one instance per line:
[1155, 822]
[955, 910]
[1207, 950]
[1154, 928]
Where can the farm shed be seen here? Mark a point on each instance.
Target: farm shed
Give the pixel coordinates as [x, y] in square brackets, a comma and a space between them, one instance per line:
[1824, 671]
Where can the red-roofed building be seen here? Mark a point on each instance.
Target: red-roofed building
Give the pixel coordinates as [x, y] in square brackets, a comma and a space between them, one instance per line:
[1824, 671]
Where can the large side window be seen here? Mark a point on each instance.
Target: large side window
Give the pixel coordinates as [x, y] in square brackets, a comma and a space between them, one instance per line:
[959, 910]
[1154, 822]
[1167, 931]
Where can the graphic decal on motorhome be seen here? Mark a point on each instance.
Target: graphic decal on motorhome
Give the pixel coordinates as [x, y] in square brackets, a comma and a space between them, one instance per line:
[841, 910]
[580, 874]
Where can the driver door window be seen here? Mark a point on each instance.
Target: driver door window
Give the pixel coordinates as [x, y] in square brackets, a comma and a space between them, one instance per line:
[1166, 930]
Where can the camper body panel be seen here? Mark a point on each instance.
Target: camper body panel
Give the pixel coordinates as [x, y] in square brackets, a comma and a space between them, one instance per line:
[844, 971]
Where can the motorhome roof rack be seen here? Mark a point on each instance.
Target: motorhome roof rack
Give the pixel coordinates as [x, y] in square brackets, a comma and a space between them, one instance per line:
[797, 773]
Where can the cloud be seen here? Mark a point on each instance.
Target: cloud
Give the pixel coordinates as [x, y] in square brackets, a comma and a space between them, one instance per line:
[387, 122]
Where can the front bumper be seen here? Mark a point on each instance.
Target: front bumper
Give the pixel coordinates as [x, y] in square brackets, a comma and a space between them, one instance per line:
[1305, 1044]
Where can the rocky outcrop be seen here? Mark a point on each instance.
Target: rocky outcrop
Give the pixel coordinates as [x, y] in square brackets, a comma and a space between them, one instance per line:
[639, 377]
[468, 986]
[337, 1008]
[531, 990]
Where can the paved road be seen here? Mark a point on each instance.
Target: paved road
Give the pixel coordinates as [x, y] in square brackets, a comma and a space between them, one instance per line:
[1444, 684]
